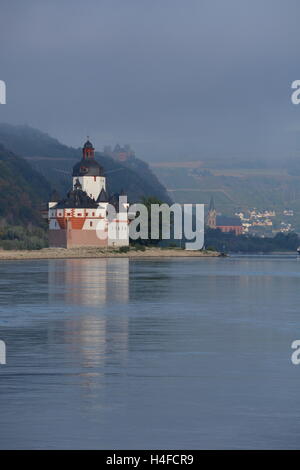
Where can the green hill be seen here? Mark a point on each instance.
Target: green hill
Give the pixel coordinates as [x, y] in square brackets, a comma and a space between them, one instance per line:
[22, 189]
[235, 189]
[55, 160]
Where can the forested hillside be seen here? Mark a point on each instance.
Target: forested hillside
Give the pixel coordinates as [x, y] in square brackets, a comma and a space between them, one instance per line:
[22, 189]
[55, 160]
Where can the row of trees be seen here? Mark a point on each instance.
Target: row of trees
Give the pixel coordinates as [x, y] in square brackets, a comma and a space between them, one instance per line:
[17, 237]
[229, 242]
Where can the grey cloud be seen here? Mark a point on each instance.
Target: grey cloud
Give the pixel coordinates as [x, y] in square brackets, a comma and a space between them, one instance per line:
[167, 76]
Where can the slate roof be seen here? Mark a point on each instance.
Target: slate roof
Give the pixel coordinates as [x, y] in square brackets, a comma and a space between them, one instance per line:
[224, 221]
[87, 167]
[76, 198]
[103, 197]
[88, 144]
[211, 204]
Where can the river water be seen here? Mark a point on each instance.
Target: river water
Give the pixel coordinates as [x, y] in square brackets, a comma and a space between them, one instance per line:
[173, 353]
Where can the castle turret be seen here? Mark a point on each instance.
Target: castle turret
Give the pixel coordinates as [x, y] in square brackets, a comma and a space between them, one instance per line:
[88, 150]
[89, 173]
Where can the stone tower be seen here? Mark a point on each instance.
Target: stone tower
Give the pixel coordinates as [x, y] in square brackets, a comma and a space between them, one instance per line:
[212, 214]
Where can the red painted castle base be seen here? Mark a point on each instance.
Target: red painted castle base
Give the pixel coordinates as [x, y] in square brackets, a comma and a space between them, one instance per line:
[75, 238]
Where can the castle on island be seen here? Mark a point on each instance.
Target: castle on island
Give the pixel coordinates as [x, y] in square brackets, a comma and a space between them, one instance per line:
[83, 218]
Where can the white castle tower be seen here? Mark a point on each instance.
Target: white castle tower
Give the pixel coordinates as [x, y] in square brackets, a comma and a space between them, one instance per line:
[89, 173]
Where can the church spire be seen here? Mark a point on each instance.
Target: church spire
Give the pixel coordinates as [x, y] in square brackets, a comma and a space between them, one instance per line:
[212, 214]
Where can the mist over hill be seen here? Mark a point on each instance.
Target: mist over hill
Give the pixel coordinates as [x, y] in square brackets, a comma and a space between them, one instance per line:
[55, 161]
[236, 187]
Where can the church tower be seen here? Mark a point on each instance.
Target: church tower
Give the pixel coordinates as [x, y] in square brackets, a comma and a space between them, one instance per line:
[212, 214]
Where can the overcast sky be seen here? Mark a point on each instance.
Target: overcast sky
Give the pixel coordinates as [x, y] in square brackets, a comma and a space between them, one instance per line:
[175, 78]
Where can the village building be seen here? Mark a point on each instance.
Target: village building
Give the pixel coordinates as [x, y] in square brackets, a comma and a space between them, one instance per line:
[229, 224]
[221, 222]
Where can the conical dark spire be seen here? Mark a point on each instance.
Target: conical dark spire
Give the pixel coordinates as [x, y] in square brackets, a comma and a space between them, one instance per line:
[103, 197]
[211, 204]
[77, 184]
[55, 197]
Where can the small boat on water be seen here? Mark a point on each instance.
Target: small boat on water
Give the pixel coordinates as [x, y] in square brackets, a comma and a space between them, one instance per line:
[298, 250]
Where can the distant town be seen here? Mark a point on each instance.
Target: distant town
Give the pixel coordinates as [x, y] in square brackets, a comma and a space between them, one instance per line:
[253, 221]
[266, 222]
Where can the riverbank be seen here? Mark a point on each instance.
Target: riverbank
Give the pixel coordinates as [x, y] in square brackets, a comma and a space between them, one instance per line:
[85, 252]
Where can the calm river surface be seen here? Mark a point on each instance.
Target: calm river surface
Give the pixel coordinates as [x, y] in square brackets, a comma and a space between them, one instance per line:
[174, 353]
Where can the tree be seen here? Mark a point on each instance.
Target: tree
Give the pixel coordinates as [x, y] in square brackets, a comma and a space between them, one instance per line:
[148, 202]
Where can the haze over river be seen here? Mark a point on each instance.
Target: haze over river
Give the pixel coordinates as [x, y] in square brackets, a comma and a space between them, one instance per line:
[173, 353]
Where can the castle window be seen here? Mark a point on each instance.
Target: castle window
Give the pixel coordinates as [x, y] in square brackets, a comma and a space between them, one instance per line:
[91, 224]
[79, 215]
[94, 178]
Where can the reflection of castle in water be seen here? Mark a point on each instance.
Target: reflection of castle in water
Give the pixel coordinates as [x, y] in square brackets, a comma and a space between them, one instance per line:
[91, 332]
[89, 281]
